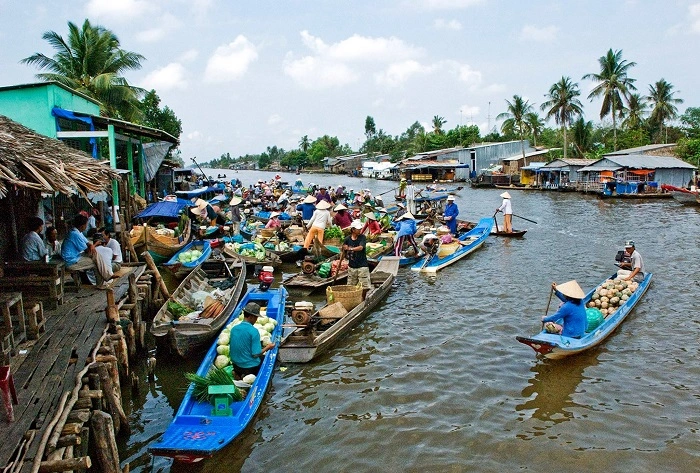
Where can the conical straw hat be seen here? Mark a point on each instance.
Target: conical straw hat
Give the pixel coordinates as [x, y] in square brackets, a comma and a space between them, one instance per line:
[505, 195]
[571, 289]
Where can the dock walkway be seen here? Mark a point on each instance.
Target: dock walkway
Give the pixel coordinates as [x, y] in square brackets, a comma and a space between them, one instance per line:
[50, 366]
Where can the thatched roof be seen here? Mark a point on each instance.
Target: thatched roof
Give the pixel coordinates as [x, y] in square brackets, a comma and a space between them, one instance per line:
[34, 161]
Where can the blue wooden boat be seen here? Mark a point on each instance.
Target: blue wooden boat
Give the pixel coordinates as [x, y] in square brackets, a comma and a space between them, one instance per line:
[195, 433]
[469, 242]
[555, 346]
[180, 269]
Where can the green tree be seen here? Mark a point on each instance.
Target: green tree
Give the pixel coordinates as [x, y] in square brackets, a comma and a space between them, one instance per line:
[563, 104]
[462, 135]
[661, 97]
[160, 118]
[582, 132]
[613, 85]
[688, 149]
[304, 143]
[634, 116]
[92, 62]
[535, 124]
[514, 119]
[690, 122]
[438, 123]
[370, 127]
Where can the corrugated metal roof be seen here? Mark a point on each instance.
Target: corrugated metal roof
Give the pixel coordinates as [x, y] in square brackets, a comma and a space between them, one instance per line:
[527, 155]
[534, 165]
[641, 149]
[599, 168]
[560, 163]
[644, 161]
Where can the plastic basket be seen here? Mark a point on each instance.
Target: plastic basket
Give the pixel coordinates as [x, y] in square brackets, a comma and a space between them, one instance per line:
[349, 296]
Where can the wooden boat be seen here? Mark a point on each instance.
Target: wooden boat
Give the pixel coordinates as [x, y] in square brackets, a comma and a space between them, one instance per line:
[186, 337]
[270, 259]
[161, 247]
[468, 242]
[518, 188]
[180, 269]
[684, 196]
[555, 346]
[195, 433]
[502, 233]
[306, 343]
[313, 282]
[264, 217]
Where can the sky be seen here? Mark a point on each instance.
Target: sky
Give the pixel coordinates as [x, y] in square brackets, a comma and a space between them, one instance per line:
[243, 76]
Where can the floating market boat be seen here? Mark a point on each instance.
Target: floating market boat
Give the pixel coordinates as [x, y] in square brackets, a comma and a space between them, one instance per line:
[464, 245]
[318, 334]
[162, 243]
[309, 280]
[180, 265]
[200, 429]
[684, 196]
[555, 346]
[185, 334]
[252, 253]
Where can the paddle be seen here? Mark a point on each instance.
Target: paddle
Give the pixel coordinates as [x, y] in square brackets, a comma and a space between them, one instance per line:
[430, 256]
[525, 219]
[340, 262]
[551, 293]
[386, 192]
[495, 221]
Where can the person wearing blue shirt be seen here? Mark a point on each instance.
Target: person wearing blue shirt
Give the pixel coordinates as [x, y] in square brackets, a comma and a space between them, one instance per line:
[80, 255]
[572, 313]
[245, 350]
[307, 207]
[33, 247]
[405, 226]
[450, 215]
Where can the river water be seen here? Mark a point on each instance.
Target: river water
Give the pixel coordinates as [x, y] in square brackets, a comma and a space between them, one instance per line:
[435, 380]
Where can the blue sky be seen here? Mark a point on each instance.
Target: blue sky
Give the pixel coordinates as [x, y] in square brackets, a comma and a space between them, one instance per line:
[246, 75]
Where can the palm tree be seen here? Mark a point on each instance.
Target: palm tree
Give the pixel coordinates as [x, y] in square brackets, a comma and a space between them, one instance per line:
[582, 135]
[634, 116]
[91, 61]
[515, 118]
[661, 96]
[304, 143]
[613, 85]
[563, 104]
[438, 122]
[535, 124]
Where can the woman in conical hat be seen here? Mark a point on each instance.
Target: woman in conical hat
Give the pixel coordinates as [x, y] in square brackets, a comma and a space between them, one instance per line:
[571, 315]
[507, 210]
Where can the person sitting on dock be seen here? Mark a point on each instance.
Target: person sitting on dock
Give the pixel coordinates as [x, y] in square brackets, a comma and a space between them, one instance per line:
[80, 255]
[245, 350]
[572, 312]
[355, 246]
[53, 245]
[103, 253]
[507, 210]
[405, 230]
[342, 218]
[112, 244]
[450, 214]
[634, 268]
[33, 247]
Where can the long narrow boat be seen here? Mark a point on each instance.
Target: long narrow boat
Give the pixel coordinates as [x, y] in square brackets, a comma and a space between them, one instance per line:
[557, 346]
[269, 259]
[186, 336]
[181, 269]
[195, 433]
[313, 282]
[684, 196]
[306, 343]
[468, 242]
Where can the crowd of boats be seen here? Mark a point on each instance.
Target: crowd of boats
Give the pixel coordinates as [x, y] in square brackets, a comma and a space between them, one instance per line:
[199, 238]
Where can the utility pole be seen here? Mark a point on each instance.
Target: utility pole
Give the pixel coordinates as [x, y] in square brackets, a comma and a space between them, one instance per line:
[488, 130]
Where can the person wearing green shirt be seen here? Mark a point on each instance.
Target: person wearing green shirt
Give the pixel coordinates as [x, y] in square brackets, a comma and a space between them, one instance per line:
[245, 349]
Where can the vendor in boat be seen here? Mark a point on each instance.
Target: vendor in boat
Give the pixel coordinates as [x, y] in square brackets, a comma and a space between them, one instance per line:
[274, 221]
[401, 210]
[342, 218]
[572, 312]
[234, 214]
[634, 268]
[245, 349]
[507, 210]
[402, 188]
[319, 221]
[430, 244]
[450, 214]
[371, 225]
[323, 194]
[405, 232]
[307, 207]
[355, 246]
[203, 212]
[32, 246]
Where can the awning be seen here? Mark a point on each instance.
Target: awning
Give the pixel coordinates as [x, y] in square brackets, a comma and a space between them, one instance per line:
[162, 209]
[599, 168]
[642, 172]
[198, 192]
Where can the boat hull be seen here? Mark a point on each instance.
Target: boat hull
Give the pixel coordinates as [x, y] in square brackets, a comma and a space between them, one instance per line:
[181, 270]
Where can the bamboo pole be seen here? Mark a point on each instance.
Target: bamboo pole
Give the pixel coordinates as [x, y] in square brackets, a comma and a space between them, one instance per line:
[152, 265]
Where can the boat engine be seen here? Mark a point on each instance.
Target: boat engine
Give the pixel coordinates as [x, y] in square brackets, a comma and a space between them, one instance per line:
[308, 266]
[266, 277]
[301, 314]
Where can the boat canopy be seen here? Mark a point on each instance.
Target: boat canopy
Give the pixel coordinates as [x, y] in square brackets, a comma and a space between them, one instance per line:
[164, 209]
[198, 192]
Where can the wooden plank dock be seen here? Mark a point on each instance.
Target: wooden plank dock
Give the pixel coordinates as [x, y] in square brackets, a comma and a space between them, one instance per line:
[49, 368]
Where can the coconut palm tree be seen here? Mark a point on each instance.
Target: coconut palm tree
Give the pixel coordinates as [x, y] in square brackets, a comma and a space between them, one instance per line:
[661, 97]
[535, 124]
[304, 143]
[563, 104]
[91, 62]
[515, 118]
[438, 122]
[634, 115]
[582, 136]
[613, 85]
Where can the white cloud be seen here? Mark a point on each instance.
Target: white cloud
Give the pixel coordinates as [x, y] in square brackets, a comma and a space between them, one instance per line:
[195, 136]
[445, 4]
[469, 111]
[442, 24]
[230, 61]
[274, 119]
[313, 72]
[169, 77]
[399, 72]
[163, 27]
[118, 10]
[544, 34]
[469, 75]
[361, 48]
[694, 17]
[189, 55]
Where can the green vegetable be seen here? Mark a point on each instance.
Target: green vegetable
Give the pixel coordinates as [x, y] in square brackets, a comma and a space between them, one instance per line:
[215, 377]
[333, 232]
[178, 310]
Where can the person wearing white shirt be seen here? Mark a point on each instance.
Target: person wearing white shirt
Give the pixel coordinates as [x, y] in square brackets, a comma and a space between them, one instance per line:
[507, 210]
[32, 246]
[411, 197]
[320, 219]
[116, 248]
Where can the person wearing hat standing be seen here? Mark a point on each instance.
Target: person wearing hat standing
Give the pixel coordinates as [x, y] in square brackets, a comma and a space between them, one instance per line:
[342, 218]
[450, 214]
[234, 214]
[572, 312]
[411, 197]
[318, 222]
[354, 247]
[307, 207]
[634, 268]
[245, 350]
[402, 188]
[507, 210]
[405, 226]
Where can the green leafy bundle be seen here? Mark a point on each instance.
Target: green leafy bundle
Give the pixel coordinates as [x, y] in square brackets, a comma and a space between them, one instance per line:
[215, 377]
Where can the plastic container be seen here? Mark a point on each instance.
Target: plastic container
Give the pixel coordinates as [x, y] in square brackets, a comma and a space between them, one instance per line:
[304, 305]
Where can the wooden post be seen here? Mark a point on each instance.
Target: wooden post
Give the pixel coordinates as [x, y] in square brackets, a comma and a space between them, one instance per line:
[113, 402]
[152, 265]
[106, 453]
[66, 465]
[112, 311]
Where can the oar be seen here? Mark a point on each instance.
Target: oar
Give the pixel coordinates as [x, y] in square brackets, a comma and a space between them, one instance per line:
[429, 257]
[496, 221]
[340, 262]
[551, 292]
[386, 192]
[525, 219]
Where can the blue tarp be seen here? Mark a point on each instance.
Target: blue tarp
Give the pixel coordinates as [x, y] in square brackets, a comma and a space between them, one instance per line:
[68, 115]
[164, 209]
[198, 192]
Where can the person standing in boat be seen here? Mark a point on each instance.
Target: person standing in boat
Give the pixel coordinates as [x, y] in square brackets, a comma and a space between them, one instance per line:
[507, 210]
[323, 194]
[245, 350]
[307, 207]
[342, 218]
[234, 214]
[318, 223]
[354, 247]
[405, 230]
[450, 214]
[572, 312]
[634, 269]
[411, 197]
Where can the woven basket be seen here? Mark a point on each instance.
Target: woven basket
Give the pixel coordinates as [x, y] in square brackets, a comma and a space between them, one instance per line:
[332, 242]
[349, 296]
[267, 232]
[447, 249]
[332, 311]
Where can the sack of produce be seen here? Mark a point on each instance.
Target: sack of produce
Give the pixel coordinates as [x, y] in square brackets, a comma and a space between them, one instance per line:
[594, 318]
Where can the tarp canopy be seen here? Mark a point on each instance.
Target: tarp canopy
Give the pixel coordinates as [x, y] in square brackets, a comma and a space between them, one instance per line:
[641, 172]
[153, 155]
[198, 192]
[163, 209]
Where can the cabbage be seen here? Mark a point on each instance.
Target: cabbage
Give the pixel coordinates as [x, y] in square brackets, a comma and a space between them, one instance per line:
[266, 340]
[269, 327]
[222, 349]
[221, 361]
[249, 378]
[224, 339]
[273, 321]
[262, 332]
[262, 320]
